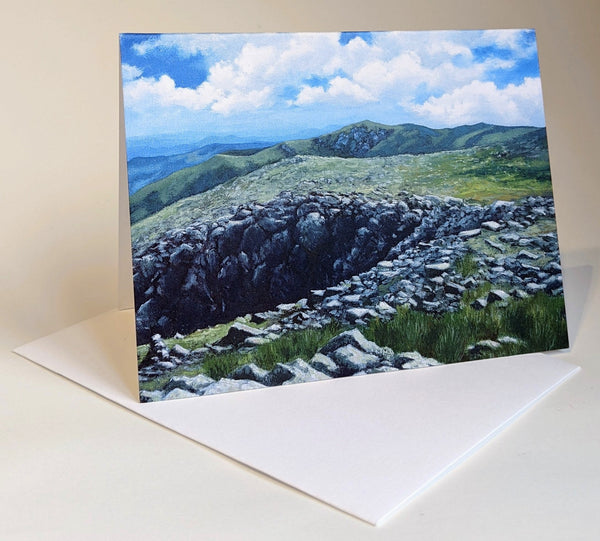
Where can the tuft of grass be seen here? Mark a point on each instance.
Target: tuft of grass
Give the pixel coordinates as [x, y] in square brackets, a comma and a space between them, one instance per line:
[539, 323]
[466, 265]
[404, 332]
[302, 343]
[218, 366]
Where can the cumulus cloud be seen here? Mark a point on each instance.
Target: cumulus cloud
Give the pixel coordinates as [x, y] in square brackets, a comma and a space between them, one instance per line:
[450, 48]
[433, 75]
[484, 101]
[147, 92]
[129, 73]
[519, 42]
[339, 88]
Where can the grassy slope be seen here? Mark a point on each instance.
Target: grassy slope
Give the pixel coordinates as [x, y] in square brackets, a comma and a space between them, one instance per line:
[477, 175]
[403, 139]
[142, 171]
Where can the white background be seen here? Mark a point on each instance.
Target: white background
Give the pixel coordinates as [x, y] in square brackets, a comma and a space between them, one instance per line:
[75, 466]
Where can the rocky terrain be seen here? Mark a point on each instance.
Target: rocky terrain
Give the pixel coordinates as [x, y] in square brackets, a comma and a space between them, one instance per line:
[300, 262]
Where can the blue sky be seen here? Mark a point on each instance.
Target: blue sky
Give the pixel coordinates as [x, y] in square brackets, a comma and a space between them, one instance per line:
[273, 86]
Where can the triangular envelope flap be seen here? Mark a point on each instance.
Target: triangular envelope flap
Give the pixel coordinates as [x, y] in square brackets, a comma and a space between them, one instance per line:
[364, 445]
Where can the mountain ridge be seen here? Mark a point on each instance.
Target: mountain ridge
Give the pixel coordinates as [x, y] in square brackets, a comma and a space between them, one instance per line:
[143, 170]
[358, 140]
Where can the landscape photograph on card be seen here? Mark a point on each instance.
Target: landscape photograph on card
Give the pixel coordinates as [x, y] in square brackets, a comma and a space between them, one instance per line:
[311, 206]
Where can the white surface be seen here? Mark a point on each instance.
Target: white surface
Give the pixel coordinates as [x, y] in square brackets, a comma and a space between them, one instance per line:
[365, 445]
[73, 466]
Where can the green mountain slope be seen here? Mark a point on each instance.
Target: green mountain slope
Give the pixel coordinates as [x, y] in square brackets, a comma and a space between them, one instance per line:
[361, 140]
[479, 174]
[142, 171]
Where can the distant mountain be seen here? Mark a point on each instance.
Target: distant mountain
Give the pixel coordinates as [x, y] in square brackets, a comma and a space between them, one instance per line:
[142, 171]
[360, 140]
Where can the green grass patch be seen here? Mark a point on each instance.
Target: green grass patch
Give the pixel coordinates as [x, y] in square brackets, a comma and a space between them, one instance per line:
[296, 344]
[539, 320]
[466, 265]
[539, 323]
[218, 366]
[302, 344]
[456, 173]
[197, 339]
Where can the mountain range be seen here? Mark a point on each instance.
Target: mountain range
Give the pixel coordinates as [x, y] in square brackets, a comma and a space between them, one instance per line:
[364, 139]
[143, 170]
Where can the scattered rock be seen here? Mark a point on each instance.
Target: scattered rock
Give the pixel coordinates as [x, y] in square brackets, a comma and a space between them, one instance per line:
[226, 385]
[298, 371]
[325, 364]
[497, 295]
[190, 384]
[524, 254]
[492, 226]
[250, 372]
[351, 359]
[480, 303]
[179, 393]
[470, 233]
[436, 269]
[495, 245]
[238, 333]
[413, 359]
[483, 346]
[269, 263]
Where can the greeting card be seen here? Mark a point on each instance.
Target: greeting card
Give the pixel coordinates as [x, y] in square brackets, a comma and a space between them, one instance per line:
[313, 206]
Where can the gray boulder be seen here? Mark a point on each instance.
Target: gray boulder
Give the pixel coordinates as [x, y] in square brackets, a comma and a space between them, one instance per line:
[325, 364]
[351, 359]
[492, 226]
[436, 269]
[298, 371]
[151, 396]
[179, 393]
[355, 314]
[469, 233]
[483, 346]
[237, 333]
[186, 383]
[497, 295]
[479, 304]
[413, 359]
[250, 372]
[355, 338]
[226, 385]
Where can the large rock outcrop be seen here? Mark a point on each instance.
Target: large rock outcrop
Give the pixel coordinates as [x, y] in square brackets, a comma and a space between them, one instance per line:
[261, 256]
[352, 258]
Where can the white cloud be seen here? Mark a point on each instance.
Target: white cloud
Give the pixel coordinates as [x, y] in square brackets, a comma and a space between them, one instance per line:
[449, 48]
[148, 93]
[511, 39]
[339, 88]
[485, 102]
[129, 73]
[236, 101]
[252, 71]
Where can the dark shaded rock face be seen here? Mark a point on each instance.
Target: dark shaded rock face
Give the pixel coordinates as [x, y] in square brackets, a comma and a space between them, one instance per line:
[261, 256]
[395, 253]
[355, 143]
